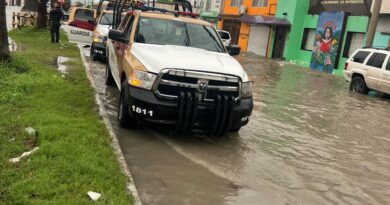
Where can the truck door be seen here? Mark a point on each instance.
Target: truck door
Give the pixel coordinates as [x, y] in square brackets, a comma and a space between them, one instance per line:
[117, 50]
[81, 25]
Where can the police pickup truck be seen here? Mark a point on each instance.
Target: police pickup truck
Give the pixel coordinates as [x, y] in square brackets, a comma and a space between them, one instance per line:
[174, 69]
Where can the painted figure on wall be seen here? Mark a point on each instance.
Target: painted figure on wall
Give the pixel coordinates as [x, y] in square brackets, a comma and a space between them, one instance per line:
[326, 44]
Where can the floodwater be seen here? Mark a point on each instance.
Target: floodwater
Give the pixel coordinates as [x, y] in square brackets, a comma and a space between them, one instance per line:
[61, 64]
[309, 141]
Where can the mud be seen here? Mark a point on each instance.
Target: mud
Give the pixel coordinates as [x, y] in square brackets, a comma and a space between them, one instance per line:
[309, 141]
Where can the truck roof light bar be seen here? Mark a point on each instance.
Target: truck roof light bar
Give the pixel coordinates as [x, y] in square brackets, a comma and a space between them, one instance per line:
[121, 5]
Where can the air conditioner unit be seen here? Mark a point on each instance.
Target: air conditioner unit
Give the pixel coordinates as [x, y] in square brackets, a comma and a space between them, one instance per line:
[242, 9]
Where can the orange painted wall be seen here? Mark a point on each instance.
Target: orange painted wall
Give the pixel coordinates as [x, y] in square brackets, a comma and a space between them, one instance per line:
[244, 37]
[269, 10]
[220, 25]
[244, 30]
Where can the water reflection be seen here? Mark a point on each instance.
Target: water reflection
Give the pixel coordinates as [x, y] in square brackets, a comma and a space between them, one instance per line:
[322, 142]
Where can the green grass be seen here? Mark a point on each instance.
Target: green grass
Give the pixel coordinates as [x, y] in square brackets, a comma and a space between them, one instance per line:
[74, 153]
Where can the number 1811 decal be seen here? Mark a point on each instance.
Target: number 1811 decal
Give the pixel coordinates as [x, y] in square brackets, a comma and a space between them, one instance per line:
[142, 111]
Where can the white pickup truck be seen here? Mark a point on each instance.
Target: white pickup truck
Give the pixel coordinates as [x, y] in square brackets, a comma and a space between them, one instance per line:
[175, 70]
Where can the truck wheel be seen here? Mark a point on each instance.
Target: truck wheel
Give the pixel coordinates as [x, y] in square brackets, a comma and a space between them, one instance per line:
[237, 129]
[359, 85]
[92, 54]
[124, 118]
[109, 79]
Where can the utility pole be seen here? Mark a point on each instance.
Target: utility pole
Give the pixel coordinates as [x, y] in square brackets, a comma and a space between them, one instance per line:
[373, 23]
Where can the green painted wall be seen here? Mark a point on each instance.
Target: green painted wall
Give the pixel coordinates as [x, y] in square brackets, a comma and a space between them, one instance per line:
[297, 14]
[303, 56]
[354, 24]
[381, 40]
[296, 11]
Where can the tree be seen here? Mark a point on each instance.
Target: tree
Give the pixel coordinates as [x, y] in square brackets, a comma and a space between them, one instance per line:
[42, 14]
[4, 49]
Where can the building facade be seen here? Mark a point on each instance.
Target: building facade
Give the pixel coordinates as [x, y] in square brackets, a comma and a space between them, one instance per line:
[324, 33]
[210, 9]
[251, 24]
[382, 35]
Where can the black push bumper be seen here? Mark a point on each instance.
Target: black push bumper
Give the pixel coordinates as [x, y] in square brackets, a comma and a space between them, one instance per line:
[99, 49]
[188, 113]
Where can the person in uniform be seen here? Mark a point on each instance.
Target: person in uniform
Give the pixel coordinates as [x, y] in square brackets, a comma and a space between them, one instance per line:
[55, 23]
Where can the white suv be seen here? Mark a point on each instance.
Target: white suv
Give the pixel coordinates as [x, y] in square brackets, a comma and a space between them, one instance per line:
[369, 69]
[225, 36]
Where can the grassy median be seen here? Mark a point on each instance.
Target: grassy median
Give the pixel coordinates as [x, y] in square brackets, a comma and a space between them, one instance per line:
[74, 154]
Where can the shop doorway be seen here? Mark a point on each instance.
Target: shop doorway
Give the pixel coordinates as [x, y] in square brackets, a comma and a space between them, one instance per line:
[280, 41]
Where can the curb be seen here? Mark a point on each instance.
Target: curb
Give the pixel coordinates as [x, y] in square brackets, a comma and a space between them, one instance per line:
[115, 144]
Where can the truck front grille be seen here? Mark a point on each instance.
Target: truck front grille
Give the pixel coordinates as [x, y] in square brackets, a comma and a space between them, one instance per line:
[171, 82]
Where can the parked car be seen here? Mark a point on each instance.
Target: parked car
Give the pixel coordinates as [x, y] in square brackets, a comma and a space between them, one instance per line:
[174, 70]
[225, 36]
[99, 37]
[368, 69]
[80, 25]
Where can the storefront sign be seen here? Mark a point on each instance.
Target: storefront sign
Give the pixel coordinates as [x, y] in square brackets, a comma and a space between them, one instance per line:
[209, 14]
[330, 29]
[355, 7]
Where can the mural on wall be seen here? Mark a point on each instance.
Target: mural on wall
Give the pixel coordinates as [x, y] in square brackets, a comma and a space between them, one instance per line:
[327, 41]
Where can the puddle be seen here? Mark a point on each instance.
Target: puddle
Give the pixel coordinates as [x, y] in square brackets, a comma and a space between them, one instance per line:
[13, 46]
[61, 60]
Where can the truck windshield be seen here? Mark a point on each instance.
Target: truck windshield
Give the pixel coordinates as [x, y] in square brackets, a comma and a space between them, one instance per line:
[106, 19]
[84, 14]
[173, 32]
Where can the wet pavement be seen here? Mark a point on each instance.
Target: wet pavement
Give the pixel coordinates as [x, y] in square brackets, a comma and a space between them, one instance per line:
[309, 141]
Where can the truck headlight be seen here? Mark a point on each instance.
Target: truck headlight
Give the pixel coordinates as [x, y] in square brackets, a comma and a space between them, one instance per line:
[142, 79]
[99, 39]
[246, 89]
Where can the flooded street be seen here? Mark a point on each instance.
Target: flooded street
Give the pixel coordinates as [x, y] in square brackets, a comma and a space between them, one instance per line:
[309, 141]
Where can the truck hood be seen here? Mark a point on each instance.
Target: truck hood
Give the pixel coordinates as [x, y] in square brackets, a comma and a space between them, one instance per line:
[103, 29]
[158, 57]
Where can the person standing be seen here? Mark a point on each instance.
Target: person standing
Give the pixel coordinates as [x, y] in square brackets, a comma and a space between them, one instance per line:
[55, 23]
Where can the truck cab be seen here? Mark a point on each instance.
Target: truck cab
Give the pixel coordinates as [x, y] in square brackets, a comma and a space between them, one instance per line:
[174, 69]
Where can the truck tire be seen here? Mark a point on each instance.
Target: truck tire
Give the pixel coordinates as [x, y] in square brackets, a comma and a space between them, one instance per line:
[359, 85]
[124, 118]
[237, 129]
[92, 54]
[109, 79]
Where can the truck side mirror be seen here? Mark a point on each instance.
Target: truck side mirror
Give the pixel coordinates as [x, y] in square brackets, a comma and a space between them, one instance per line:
[233, 50]
[117, 35]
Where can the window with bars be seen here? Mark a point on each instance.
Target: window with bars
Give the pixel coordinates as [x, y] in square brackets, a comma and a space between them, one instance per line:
[235, 2]
[260, 3]
[353, 42]
[309, 34]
